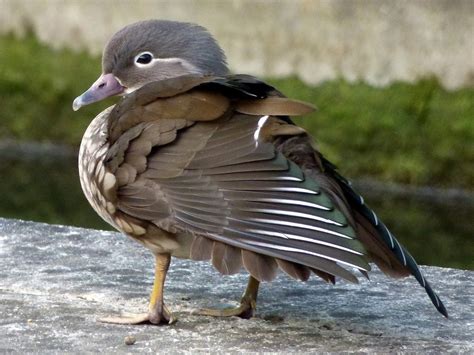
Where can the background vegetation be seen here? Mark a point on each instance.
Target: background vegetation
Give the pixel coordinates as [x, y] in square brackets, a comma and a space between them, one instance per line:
[411, 133]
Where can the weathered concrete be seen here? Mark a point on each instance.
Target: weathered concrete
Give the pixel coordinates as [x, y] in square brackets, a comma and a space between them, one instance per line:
[55, 281]
[378, 41]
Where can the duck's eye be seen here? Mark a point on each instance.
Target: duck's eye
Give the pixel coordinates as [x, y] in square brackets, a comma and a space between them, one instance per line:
[144, 58]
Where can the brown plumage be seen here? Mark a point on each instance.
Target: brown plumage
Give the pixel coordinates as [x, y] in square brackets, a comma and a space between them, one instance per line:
[226, 259]
[211, 168]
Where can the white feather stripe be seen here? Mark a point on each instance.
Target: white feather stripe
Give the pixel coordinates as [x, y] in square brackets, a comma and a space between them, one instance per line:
[375, 218]
[279, 189]
[292, 189]
[286, 178]
[303, 239]
[258, 178]
[300, 251]
[294, 202]
[260, 124]
[299, 225]
[401, 251]
[294, 214]
[423, 279]
[390, 236]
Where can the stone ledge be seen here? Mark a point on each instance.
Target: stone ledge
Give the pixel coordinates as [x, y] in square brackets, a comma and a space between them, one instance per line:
[56, 280]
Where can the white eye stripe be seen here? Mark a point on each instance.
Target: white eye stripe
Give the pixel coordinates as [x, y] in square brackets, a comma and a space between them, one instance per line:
[184, 64]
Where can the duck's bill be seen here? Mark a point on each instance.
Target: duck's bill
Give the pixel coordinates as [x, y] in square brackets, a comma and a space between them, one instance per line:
[107, 85]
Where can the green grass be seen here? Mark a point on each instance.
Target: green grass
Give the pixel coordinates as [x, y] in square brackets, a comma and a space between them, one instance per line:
[411, 133]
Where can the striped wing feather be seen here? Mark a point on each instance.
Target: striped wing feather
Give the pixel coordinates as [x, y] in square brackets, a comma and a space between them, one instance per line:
[243, 194]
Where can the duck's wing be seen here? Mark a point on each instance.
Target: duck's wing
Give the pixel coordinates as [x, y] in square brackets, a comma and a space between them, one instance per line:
[214, 159]
[188, 160]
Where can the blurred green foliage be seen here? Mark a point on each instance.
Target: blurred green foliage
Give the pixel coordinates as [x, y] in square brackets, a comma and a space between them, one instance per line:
[37, 87]
[412, 133]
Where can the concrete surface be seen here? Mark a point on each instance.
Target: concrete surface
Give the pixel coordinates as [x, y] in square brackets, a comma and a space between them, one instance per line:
[378, 41]
[56, 280]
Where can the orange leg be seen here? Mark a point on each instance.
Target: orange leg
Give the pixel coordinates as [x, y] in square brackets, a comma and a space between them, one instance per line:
[158, 313]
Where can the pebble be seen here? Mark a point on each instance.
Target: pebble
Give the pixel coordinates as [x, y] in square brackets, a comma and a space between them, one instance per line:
[130, 340]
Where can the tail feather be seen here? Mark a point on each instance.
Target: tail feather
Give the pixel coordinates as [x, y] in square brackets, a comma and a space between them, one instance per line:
[402, 255]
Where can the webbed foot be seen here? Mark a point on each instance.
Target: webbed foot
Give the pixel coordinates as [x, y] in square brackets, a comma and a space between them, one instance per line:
[246, 310]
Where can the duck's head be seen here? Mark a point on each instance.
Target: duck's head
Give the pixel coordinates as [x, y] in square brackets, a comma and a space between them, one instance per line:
[153, 50]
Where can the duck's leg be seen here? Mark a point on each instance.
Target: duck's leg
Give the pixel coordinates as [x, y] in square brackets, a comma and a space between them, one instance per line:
[158, 313]
[246, 309]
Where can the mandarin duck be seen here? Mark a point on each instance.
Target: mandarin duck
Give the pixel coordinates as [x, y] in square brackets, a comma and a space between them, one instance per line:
[194, 162]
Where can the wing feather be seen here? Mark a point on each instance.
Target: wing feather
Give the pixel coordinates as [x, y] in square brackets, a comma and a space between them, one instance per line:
[226, 259]
[201, 248]
[296, 271]
[261, 267]
[241, 193]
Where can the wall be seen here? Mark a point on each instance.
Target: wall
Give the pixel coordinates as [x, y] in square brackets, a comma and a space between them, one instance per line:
[378, 41]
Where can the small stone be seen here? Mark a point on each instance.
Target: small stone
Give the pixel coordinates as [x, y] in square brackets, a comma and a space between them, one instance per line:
[130, 340]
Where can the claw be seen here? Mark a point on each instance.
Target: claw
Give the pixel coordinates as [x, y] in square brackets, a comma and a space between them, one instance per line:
[162, 317]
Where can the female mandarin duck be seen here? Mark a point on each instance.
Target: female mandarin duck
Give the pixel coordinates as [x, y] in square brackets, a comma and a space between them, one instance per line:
[196, 163]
